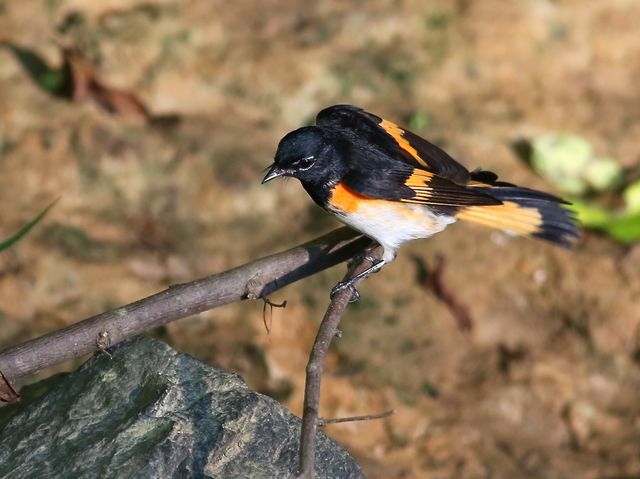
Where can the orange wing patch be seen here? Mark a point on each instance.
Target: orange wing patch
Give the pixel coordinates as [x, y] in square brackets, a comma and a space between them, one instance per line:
[419, 178]
[430, 189]
[398, 134]
[419, 183]
[509, 217]
[479, 184]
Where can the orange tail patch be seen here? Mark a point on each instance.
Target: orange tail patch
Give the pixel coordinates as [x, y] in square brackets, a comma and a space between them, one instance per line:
[509, 217]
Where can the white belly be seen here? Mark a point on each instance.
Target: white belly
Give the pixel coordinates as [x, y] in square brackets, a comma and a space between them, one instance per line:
[391, 223]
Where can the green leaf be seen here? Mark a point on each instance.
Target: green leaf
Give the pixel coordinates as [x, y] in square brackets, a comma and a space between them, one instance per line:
[603, 173]
[591, 215]
[562, 159]
[56, 81]
[569, 162]
[625, 229]
[52, 80]
[26, 228]
[632, 197]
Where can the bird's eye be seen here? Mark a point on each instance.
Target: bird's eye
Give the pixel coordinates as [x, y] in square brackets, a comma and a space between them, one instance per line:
[305, 163]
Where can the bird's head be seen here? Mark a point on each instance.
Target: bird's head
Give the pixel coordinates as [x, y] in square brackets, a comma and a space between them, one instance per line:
[309, 154]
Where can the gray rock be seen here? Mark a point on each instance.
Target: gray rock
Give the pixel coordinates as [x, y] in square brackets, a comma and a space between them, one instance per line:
[151, 412]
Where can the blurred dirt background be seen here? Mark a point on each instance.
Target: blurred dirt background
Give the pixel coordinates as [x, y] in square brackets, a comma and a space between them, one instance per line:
[167, 189]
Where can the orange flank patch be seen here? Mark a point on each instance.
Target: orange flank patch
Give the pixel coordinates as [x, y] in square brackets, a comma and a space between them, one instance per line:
[398, 134]
[390, 222]
[348, 201]
[509, 217]
[345, 200]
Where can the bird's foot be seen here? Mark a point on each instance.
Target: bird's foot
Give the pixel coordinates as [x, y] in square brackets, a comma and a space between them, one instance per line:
[376, 266]
[366, 255]
[341, 286]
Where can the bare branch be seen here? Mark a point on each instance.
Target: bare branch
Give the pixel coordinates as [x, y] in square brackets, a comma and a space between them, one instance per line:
[366, 417]
[315, 367]
[253, 280]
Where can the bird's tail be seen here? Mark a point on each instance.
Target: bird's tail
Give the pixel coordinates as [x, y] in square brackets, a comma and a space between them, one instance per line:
[524, 212]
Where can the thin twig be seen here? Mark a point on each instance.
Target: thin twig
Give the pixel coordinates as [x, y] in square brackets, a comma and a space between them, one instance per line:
[366, 417]
[315, 368]
[264, 276]
[271, 304]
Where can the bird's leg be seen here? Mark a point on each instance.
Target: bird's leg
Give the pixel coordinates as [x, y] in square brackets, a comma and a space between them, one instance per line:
[375, 267]
[366, 255]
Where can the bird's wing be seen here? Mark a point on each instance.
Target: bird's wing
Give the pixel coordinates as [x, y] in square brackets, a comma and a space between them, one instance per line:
[396, 142]
[402, 182]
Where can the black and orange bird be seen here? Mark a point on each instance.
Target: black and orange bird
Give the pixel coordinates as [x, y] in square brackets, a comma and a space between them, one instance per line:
[394, 186]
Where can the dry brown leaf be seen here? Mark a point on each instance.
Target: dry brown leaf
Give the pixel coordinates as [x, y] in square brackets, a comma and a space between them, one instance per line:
[7, 393]
[86, 85]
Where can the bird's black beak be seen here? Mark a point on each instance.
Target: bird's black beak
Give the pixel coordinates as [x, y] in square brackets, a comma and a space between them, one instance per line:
[273, 173]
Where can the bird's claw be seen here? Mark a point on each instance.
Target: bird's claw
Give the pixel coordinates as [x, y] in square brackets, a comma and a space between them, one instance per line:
[365, 256]
[355, 296]
[371, 260]
[341, 286]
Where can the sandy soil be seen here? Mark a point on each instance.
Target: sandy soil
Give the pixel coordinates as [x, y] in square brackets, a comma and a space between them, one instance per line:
[544, 386]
